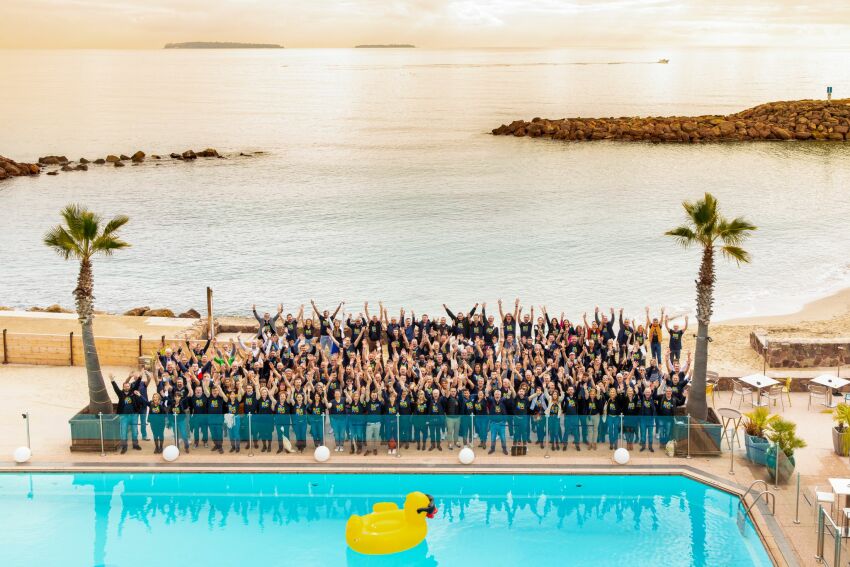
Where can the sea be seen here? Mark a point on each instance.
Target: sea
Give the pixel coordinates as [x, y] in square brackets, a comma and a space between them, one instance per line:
[375, 178]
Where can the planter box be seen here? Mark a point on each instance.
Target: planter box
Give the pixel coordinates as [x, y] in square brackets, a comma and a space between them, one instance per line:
[756, 449]
[85, 432]
[786, 464]
[839, 441]
[704, 437]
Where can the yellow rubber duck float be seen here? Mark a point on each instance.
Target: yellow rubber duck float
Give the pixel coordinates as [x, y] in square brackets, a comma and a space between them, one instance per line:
[388, 529]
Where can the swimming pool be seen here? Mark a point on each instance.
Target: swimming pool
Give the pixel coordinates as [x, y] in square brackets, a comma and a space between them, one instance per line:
[132, 519]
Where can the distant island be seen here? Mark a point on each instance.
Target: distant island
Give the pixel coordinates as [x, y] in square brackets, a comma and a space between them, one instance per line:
[385, 46]
[221, 45]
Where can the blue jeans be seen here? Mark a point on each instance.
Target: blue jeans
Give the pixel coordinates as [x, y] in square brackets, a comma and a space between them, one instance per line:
[656, 351]
[497, 429]
[127, 422]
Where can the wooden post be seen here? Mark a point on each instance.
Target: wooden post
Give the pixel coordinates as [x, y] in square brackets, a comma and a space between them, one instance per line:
[5, 349]
[211, 328]
[163, 341]
[140, 345]
[71, 345]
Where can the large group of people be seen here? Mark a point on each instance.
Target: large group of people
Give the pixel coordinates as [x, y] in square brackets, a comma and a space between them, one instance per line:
[378, 379]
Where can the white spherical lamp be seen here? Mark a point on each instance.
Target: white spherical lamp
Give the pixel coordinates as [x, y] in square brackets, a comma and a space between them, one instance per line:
[171, 453]
[621, 456]
[322, 454]
[466, 456]
[22, 454]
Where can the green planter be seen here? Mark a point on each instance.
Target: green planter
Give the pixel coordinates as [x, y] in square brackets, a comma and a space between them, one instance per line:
[756, 449]
[85, 432]
[840, 442]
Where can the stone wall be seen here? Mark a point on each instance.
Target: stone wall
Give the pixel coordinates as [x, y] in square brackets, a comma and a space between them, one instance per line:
[790, 352]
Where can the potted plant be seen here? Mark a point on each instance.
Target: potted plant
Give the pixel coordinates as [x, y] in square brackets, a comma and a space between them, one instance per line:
[841, 433]
[755, 425]
[783, 435]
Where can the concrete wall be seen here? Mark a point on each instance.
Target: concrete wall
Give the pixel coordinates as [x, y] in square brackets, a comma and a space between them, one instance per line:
[802, 352]
[61, 350]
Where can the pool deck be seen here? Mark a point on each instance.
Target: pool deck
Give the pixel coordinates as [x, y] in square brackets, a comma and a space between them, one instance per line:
[788, 543]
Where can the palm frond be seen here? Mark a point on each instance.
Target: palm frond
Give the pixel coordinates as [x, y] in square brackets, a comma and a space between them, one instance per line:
[73, 220]
[734, 232]
[106, 244]
[90, 225]
[684, 236]
[114, 224]
[62, 242]
[735, 253]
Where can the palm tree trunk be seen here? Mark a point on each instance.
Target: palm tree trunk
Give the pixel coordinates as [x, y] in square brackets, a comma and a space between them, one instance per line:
[99, 401]
[697, 404]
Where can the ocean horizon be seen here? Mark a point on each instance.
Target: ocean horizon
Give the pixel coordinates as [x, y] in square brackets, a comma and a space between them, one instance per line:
[379, 179]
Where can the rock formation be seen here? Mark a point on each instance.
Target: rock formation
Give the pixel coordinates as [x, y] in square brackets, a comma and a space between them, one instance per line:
[9, 168]
[805, 120]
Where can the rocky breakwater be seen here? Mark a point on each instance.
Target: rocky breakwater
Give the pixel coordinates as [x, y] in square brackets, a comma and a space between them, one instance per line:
[804, 120]
[10, 168]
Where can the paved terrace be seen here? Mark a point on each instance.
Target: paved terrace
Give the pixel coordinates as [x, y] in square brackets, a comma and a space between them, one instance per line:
[53, 396]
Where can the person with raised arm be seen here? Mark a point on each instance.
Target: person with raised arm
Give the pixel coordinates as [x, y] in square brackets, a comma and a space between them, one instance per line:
[129, 401]
[676, 335]
[266, 322]
[654, 334]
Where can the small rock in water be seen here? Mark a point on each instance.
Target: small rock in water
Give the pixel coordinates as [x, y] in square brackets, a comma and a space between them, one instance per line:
[67, 167]
[138, 157]
[100, 161]
[53, 160]
[112, 158]
[125, 157]
[155, 156]
[81, 167]
[52, 173]
[190, 314]
[209, 152]
[83, 160]
[189, 154]
[136, 311]
[175, 156]
[119, 164]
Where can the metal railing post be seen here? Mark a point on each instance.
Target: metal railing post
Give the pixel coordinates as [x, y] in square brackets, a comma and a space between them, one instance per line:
[100, 419]
[176, 439]
[250, 436]
[472, 429]
[732, 455]
[546, 436]
[398, 435]
[819, 554]
[797, 503]
[776, 469]
[837, 552]
[27, 418]
[688, 426]
[621, 433]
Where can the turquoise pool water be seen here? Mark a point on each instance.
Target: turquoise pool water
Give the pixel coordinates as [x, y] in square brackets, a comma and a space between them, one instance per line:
[298, 519]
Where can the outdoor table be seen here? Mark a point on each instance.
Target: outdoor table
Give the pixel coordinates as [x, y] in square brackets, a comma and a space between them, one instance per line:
[759, 381]
[841, 487]
[730, 417]
[831, 382]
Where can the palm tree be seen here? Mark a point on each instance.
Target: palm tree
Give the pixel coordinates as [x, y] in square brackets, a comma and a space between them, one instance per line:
[82, 237]
[708, 229]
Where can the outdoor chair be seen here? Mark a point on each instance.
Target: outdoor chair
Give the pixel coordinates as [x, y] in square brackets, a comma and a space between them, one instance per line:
[816, 392]
[776, 393]
[738, 389]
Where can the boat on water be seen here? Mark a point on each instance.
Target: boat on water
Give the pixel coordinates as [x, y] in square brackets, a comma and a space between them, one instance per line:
[664, 61]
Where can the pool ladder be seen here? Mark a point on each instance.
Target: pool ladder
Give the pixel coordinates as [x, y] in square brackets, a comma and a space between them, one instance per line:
[769, 498]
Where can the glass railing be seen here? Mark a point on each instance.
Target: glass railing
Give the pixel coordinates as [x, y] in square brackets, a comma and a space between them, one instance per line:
[395, 434]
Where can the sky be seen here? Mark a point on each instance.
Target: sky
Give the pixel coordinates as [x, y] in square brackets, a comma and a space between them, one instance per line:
[133, 24]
